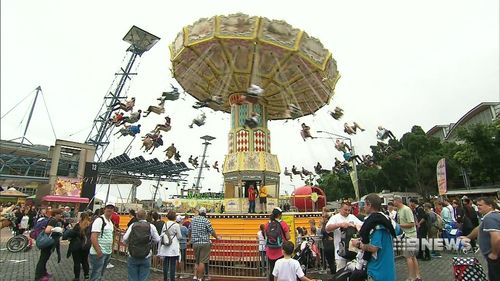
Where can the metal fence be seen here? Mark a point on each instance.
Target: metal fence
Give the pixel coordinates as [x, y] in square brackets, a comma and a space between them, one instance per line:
[235, 256]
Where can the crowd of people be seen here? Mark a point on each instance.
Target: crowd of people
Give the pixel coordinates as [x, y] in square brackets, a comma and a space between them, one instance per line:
[373, 231]
[360, 245]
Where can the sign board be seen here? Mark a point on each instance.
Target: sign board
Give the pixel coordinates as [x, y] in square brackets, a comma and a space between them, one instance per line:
[441, 176]
[232, 205]
[65, 186]
[289, 219]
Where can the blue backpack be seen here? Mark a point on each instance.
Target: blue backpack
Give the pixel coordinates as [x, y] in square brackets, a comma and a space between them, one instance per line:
[40, 226]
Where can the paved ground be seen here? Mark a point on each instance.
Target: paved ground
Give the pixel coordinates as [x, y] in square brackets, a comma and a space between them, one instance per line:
[21, 267]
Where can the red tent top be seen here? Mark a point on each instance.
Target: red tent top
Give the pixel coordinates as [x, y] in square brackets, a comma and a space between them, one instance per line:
[65, 199]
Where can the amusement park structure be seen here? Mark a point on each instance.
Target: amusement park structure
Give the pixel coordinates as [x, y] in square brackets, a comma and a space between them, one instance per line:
[219, 60]
[140, 42]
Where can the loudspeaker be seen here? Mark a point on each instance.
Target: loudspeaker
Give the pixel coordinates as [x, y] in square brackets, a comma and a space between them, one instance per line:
[89, 184]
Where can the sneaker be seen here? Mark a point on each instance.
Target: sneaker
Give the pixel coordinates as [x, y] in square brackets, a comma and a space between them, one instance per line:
[109, 266]
[86, 277]
[49, 275]
[44, 278]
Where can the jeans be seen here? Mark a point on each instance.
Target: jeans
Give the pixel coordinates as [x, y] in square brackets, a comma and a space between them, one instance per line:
[80, 257]
[329, 255]
[251, 206]
[98, 266]
[263, 258]
[41, 266]
[493, 269]
[138, 269]
[169, 264]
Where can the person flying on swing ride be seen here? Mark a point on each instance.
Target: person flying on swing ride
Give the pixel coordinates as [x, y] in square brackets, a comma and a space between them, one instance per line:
[133, 118]
[297, 172]
[252, 121]
[216, 166]
[164, 127]
[172, 95]
[129, 130]
[341, 146]
[337, 113]
[199, 121]
[349, 157]
[217, 99]
[117, 119]
[306, 172]
[177, 156]
[127, 106]
[287, 173]
[305, 132]
[170, 151]
[351, 130]
[383, 133]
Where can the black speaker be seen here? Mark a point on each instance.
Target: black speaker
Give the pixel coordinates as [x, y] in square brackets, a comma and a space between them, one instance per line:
[89, 184]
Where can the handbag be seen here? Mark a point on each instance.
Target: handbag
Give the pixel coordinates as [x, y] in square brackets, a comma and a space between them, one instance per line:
[44, 241]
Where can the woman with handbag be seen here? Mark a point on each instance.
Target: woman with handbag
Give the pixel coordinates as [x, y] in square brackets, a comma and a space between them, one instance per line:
[47, 241]
[79, 246]
[169, 246]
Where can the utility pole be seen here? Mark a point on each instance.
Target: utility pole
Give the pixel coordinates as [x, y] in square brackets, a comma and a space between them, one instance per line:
[207, 140]
[156, 191]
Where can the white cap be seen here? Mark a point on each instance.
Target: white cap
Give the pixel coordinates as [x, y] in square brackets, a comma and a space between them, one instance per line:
[202, 210]
[179, 218]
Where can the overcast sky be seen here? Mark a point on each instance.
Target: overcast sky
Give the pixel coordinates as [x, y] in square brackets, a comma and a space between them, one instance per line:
[402, 63]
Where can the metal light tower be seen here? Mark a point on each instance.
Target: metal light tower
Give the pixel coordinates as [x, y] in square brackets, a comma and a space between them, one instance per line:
[207, 140]
[140, 42]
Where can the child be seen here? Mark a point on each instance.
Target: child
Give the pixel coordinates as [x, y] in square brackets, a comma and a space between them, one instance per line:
[287, 269]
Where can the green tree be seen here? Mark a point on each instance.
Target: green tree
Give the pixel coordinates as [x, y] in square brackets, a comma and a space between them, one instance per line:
[480, 152]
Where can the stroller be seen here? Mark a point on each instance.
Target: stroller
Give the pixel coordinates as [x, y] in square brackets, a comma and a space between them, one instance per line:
[304, 254]
[451, 232]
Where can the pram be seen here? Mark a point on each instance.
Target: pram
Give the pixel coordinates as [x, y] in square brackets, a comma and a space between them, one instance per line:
[304, 254]
[451, 233]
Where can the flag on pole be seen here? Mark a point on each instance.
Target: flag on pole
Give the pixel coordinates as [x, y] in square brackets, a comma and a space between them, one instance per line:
[441, 176]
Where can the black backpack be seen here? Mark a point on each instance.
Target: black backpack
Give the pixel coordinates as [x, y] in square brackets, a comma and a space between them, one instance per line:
[346, 234]
[274, 234]
[139, 241]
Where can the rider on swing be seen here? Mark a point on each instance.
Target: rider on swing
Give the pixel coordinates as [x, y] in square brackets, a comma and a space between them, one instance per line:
[253, 121]
[306, 132]
[164, 127]
[127, 106]
[351, 130]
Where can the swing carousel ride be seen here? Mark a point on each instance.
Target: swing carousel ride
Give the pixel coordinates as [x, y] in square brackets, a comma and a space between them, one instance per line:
[257, 70]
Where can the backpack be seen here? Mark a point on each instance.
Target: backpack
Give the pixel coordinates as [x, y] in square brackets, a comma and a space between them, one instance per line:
[274, 234]
[346, 234]
[24, 222]
[102, 226]
[169, 239]
[86, 242]
[139, 241]
[40, 225]
[438, 223]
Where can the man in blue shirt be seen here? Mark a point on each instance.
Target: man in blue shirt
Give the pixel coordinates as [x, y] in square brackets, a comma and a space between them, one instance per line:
[381, 266]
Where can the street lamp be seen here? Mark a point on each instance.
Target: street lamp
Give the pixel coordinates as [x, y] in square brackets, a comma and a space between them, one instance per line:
[207, 140]
[354, 176]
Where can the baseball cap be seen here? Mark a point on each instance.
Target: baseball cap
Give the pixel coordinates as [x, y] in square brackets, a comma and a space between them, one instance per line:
[202, 210]
[110, 204]
[179, 218]
[277, 211]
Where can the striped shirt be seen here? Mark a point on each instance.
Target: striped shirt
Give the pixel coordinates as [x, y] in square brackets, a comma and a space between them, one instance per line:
[106, 239]
[201, 229]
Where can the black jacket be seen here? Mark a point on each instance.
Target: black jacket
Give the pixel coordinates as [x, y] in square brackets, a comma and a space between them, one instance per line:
[76, 239]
